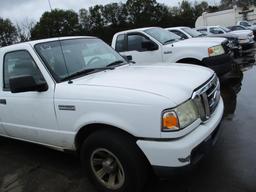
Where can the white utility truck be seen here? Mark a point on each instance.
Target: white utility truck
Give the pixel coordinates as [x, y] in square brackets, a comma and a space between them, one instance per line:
[227, 18]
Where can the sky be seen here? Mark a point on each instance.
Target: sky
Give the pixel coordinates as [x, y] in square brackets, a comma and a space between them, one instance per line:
[20, 10]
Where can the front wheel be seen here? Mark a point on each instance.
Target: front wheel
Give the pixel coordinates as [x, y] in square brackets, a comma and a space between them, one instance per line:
[113, 162]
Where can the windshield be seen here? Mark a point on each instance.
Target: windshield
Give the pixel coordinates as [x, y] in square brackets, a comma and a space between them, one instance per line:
[246, 24]
[225, 29]
[192, 32]
[240, 27]
[65, 58]
[163, 36]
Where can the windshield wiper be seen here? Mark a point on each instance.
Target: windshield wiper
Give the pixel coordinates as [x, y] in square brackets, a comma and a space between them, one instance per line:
[169, 41]
[116, 63]
[86, 72]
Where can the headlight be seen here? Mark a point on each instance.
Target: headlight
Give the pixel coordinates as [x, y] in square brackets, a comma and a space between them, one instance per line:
[244, 40]
[180, 117]
[216, 50]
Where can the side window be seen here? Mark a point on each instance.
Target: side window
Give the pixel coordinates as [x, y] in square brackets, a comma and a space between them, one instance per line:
[20, 63]
[135, 42]
[120, 43]
[215, 30]
[202, 30]
[244, 24]
[182, 35]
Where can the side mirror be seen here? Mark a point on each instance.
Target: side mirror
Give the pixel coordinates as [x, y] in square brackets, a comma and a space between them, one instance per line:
[127, 57]
[26, 83]
[149, 45]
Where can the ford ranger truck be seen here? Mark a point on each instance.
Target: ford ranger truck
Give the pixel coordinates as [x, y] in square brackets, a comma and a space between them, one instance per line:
[154, 44]
[124, 120]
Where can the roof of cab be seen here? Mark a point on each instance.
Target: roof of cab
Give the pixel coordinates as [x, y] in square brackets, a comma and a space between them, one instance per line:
[135, 30]
[32, 43]
[180, 27]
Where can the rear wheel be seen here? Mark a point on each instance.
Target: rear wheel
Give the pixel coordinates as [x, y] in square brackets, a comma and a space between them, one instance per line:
[113, 162]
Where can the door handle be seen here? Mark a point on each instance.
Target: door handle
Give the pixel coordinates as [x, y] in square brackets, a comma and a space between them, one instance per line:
[3, 101]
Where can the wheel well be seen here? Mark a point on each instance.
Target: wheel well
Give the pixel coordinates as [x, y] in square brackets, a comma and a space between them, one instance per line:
[190, 61]
[85, 132]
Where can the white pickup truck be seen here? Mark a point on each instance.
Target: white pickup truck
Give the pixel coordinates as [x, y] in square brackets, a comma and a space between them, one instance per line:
[245, 37]
[154, 44]
[187, 33]
[78, 94]
[247, 25]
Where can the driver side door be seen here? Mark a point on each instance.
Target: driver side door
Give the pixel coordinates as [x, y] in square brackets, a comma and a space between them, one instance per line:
[138, 45]
[26, 115]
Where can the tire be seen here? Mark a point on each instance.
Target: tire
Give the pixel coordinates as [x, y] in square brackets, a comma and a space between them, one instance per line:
[126, 162]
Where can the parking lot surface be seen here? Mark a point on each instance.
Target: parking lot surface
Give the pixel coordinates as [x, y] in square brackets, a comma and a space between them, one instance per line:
[230, 166]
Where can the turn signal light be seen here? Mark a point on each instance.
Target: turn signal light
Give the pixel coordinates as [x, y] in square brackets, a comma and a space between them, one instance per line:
[170, 121]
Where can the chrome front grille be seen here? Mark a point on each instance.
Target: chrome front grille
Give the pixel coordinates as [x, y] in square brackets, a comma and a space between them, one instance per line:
[226, 46]
[207, 98]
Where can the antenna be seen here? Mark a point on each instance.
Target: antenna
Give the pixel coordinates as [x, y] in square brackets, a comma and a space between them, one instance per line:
[49, 1]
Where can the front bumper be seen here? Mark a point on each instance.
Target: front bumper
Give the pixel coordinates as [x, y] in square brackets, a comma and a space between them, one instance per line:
[221, 64]
[184, 151]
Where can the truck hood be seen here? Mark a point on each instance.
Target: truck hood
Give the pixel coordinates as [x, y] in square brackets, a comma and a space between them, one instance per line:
[218, 40]
[226, 35]
[253, 27]
[242, 33]
[199, 42]
[172, 81]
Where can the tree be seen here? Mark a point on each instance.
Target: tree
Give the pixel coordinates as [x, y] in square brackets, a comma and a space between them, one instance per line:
[57, 23]
[8, 33]
[84, 19]
[164, 17]
[96, 19]
[142, 12]
[226, 4]
[187, 16]
[200, 8]
[212, 9]
[24, 29]
[115, 14]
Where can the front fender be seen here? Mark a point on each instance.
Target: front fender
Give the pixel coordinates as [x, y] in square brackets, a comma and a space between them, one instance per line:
[178, 53]
[106, 119]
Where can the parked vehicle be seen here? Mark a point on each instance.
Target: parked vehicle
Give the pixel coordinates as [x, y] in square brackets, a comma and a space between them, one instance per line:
[247, 25]
[187, 33]
[240, 27]
[78, 94]
[154, 44]
[245, 37]
[227, 17]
